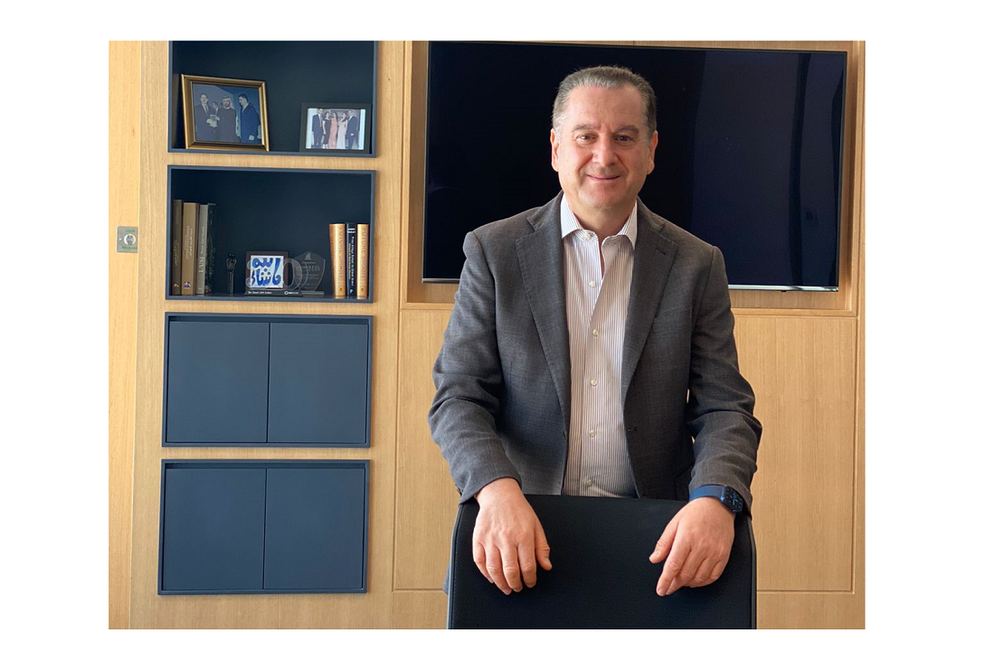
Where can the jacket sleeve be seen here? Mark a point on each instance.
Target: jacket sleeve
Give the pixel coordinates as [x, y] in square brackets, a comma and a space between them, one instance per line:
[468, 381]
[720, 401]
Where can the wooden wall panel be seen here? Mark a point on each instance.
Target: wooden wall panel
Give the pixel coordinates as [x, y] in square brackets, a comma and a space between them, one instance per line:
[803, 372]
[426, 496]
[125, 101]
[419, 610]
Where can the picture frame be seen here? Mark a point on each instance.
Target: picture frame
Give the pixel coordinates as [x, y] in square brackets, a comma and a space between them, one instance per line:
[224, 114]
[265, 271]
[315, 119]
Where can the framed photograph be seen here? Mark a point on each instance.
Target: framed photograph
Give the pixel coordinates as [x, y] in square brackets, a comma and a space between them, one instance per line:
[335, 128]
[224, 113]
[265, 271]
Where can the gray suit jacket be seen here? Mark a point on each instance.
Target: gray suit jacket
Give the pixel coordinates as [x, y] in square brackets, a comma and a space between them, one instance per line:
[502, 405]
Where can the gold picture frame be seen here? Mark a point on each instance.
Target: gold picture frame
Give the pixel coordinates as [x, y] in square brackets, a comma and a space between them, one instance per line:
[218, 113]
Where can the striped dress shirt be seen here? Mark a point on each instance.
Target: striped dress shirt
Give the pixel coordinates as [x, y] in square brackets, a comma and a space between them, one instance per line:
[597, 304]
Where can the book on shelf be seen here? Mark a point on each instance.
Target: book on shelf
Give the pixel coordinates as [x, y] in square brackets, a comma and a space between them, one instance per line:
[205, 222]
[209, 275]
[336, 239]
[188, 272]
[176, 248]
[363, 261]
[350, 260]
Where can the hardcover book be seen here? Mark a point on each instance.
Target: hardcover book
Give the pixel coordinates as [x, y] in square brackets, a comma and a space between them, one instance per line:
[188, 273]
[176, 248]
[363, 261]
[336, 237]
[350, 260]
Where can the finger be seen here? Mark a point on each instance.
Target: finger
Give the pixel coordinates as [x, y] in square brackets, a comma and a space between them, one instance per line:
[509, 563]
[664, 543]
[703, 576]
[717, 571]
[527, 562]
[480, 559]
[675, 561]
[542, 547]
[495, 570]
[687, 572]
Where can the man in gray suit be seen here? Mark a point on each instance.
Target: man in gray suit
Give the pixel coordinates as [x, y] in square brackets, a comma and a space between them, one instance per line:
[590, 352]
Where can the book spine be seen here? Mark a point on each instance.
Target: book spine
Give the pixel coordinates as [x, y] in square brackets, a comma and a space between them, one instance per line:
[336, 238]
[350, 260]
[188, 273]
[176, 248]
[209, 271]
[363, 261]
[202, 248]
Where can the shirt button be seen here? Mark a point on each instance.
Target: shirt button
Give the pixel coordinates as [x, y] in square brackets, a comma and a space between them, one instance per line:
[591, 283]
[589, 482]
[595, 333]
[594, 383]
[592, 433]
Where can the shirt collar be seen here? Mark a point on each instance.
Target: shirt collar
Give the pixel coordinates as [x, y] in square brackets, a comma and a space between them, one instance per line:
[569, 223]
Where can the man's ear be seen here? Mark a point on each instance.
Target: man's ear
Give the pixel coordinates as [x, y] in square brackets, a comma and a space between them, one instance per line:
[554, 146]
[653, 142]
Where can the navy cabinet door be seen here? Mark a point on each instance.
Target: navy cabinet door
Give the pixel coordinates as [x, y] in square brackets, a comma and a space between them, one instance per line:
[319, 383]
[316, 529]
[216, 382]
[212, 529]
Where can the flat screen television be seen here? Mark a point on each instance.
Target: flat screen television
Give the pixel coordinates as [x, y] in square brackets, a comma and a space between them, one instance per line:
[749, 157]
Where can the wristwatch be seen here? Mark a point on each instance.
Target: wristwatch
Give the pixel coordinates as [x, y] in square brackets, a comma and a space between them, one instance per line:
[727, 495]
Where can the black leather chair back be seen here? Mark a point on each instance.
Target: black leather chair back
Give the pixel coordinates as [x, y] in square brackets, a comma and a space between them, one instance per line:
[601, 577]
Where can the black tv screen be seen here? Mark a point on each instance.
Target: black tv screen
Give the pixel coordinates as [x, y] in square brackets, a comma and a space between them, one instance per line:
[749, 156]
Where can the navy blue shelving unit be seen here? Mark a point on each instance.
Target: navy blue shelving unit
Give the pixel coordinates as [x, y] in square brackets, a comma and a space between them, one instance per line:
[263, 527]
[263, 209]
[266, 380]
[294, 73]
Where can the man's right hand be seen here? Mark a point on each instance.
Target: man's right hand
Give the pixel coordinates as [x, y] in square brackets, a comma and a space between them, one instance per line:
[508, 539]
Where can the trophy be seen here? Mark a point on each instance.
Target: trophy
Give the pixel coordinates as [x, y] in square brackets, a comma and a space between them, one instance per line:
[308, 269]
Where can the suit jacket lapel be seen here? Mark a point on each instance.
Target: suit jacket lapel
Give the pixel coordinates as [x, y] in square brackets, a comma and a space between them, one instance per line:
[540, 256]
[653, 258]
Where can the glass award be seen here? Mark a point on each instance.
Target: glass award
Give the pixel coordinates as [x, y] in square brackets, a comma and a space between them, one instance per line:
[308, 269]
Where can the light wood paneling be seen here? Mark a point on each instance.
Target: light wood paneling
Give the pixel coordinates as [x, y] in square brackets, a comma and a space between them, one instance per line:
[372, 609]
[426, 496]
[803, 373]
[419, 610]
[125, 100]
[816, 610]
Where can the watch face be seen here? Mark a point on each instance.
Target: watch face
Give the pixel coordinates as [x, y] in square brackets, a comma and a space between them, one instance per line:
[732, 499]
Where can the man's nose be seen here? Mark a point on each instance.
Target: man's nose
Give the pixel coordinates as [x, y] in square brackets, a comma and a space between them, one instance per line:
[604, 151]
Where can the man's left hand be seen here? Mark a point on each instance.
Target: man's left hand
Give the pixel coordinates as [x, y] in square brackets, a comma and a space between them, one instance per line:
[696, 545]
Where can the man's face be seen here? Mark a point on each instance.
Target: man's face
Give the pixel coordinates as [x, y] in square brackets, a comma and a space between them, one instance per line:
[602, 154]
[226, 103]
[243, 101]
[203, 99]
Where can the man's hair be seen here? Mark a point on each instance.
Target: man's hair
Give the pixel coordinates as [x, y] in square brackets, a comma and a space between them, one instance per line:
[242, 95]
[605, 77]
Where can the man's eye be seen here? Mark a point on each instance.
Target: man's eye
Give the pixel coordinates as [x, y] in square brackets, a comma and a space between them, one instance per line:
[625, 138]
